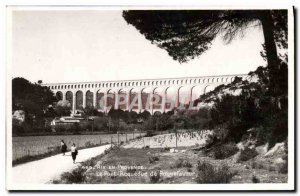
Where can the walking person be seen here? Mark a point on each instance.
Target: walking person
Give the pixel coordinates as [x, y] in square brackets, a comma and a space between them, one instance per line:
[74, 152]
[63, 147]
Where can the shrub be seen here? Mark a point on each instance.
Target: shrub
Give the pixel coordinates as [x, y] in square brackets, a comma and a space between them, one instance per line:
[211, 140]
[131, 170]
[255, 165]
[61, 128]
[152, 159]
[76, 127]
[179, 163]
[155, 177]
[247, 154]
[77, 176]
[272, 168]
[167, 148]
[222, 151]
[115, 148]
[17, 127]
[209, 174]
[106, 151]
[283, 169]
[100, 123]
[221, 132]
[255, 179]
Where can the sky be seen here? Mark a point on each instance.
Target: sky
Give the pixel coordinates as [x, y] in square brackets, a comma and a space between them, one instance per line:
[99, 45]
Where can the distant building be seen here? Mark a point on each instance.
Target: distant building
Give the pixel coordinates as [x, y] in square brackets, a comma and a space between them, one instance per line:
[66, 120]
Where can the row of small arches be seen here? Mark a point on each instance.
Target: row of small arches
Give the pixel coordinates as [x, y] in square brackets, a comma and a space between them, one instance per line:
[144, 83]
[135, 91]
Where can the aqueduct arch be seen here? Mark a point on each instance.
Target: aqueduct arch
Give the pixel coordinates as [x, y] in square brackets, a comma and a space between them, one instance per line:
[89, 99]
[70, 98]
[105, 94]
[59, 95]
[79, 100]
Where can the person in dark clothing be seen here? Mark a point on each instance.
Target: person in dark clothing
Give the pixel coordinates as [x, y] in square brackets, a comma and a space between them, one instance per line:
[74, 152]
[63, 147]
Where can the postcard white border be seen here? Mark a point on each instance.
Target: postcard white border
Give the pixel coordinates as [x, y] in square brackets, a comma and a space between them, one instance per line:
[171, 187]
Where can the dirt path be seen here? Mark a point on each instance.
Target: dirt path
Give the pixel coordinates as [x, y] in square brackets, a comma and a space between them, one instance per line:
[45, 170]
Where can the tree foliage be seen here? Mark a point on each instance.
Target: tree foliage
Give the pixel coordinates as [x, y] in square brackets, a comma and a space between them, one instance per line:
[186, 34]
[34, 99]
[252, 107]
[62, 108]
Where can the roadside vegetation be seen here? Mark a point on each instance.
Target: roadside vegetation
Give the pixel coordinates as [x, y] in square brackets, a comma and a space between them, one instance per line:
[187, 166]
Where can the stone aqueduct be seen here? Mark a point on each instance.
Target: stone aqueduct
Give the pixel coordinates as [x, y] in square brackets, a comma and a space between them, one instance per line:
[88, 94]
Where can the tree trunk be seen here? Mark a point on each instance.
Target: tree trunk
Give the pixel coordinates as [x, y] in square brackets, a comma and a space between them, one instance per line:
[271, 50]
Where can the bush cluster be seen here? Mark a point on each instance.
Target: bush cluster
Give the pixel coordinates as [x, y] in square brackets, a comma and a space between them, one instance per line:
[155, 177]
[77, 176]
[222, 150]
[179, 163]
[209, 174]
[255, 179]
[153, 159]
[247, 154]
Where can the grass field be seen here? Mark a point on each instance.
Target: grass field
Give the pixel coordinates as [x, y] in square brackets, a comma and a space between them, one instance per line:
[102, 169]
[38, 145]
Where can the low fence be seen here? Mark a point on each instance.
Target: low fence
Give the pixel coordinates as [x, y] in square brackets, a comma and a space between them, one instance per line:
[38, 145]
